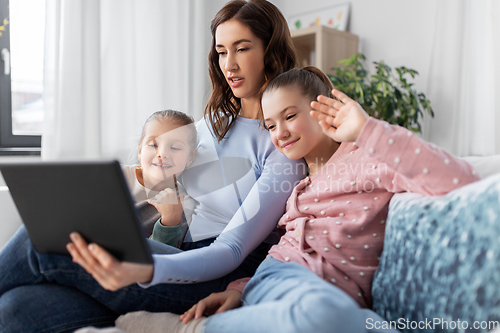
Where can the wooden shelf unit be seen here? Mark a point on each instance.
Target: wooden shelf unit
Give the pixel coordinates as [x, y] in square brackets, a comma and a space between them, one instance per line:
[323, 47]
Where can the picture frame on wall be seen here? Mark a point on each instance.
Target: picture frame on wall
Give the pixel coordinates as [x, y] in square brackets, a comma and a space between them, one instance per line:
[336, 17]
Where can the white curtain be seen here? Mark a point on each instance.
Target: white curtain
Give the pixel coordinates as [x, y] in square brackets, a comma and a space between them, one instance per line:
[464, 78]
[109, 64]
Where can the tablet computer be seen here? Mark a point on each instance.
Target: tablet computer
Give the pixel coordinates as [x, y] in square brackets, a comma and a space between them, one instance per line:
[90, 197]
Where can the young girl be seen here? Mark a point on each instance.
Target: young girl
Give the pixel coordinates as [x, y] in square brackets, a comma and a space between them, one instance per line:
[318, 278]
[167, 146]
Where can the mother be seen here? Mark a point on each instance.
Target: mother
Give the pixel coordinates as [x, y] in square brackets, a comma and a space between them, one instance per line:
[240, 180]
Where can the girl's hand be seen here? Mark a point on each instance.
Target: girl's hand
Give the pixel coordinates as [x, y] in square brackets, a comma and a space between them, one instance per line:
[341, 119]
[214, 303]
[108, 272]
[169, 206]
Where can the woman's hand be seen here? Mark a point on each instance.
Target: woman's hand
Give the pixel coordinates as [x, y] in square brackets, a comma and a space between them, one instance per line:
[214, 303]
[341, 119]
[169, 206]
[108, 272]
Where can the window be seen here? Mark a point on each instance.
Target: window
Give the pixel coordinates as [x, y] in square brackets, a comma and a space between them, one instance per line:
[22, 25]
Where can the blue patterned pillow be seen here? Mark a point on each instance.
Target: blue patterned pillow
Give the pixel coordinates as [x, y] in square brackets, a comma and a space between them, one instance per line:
[441, 261]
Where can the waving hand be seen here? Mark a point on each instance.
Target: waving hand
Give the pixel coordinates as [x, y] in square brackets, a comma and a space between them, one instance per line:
[342, 118]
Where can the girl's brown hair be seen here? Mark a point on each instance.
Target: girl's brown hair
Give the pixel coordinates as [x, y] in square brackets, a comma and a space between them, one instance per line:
[310, 81]
[267, 23]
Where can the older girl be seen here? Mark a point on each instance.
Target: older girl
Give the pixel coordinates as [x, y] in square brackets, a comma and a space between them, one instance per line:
[240, 182]
[318, 278]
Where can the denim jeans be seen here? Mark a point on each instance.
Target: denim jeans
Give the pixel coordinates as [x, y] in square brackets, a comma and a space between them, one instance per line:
[49, 293]
[288, 298]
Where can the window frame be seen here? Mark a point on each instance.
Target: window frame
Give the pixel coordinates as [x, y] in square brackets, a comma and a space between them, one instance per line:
[11, 144]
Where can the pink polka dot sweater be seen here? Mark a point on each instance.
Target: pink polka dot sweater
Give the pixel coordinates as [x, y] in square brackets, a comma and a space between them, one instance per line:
[335, 219]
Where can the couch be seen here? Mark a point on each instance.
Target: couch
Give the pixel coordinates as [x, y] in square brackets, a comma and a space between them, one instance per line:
[440, 268]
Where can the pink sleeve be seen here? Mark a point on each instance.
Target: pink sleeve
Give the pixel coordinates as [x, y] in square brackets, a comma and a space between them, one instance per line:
[238, 285]
[411, 163]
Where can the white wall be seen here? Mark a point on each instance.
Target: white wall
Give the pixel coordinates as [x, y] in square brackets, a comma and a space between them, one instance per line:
[399, 32]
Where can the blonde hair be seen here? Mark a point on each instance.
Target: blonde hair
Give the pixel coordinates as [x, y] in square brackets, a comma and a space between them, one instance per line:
[179, 118]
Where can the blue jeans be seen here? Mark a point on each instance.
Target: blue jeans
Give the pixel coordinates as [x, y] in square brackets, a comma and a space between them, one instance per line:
[288, 298]
[49, 293]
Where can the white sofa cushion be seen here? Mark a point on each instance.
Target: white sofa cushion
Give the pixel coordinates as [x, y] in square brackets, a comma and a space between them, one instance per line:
[485, 165]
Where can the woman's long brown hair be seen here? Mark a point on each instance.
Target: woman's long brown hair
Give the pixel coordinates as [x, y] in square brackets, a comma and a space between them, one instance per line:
[267, 23]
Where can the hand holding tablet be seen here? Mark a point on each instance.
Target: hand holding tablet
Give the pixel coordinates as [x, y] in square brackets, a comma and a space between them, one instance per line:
[108, 272]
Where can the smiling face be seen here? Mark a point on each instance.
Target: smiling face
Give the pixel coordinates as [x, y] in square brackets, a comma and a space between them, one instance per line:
[293, 131]
[164, 151]
[241, 58]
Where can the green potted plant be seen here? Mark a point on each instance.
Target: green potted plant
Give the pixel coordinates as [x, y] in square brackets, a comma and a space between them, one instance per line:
[383, 95]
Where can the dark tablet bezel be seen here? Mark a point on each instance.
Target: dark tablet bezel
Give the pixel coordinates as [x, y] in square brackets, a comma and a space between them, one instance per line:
[90, 197]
